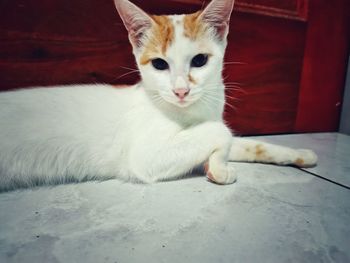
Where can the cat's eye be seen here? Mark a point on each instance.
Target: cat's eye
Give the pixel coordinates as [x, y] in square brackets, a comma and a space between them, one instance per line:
[160, 64]
[199, 60]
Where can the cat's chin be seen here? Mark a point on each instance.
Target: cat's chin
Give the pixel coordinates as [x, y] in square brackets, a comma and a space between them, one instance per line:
[184, 105]
[181, 104]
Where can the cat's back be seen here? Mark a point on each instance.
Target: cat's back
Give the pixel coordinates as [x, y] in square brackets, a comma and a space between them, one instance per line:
[60, 96]
[63, 101]
[62, 109]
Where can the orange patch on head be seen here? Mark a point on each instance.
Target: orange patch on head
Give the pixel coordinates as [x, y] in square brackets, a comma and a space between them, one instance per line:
[163, 32]
[193, 26]
[299, 162]
[161, 37]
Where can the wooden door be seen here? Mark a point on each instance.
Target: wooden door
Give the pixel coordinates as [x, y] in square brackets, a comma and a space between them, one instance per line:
[289, 57]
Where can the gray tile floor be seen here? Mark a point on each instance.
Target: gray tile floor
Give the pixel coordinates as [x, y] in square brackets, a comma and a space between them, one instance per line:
[272, 214]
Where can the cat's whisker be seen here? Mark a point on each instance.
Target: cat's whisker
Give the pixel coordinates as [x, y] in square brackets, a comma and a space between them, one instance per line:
[230, 97]
[228, 89]
[225, 85]
[236, 90]
[130, 71]
[206, 103]
[233, 82]
[226, 94]
[225, 77]
[215, 88]
[219, 99]
[158, 99]
[225, 82]
[215, 94]
[235, 63]
[210, 96]
[149, 89]
[233, 86]
[127, 73]
[234, 99]
[230, 106]
[128, 68]
[219, 96]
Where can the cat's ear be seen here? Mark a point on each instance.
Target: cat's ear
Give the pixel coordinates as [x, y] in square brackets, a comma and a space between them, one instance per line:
[136, 21]
[217, 14]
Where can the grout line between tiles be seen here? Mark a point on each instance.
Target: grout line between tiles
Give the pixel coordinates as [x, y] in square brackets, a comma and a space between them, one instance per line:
[326, 179]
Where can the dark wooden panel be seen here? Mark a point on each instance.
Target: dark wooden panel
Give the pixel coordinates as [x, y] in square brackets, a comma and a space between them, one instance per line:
[290, 9]
[61, 42]
[324, 66]
[290, 5]
[271, 52]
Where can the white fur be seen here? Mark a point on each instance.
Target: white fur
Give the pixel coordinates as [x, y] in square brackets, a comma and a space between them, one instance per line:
[89, 132]
[140, 133]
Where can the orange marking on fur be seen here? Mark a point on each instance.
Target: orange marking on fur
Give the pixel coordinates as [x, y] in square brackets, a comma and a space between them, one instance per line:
[161, 37]
[193, 26]
[164, 31]
[299, 162]
[259, 151]
[145, 59]
[210, 177]
[191, 79]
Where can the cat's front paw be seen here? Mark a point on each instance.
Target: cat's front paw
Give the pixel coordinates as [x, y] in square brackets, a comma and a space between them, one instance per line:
[306, 158]
[220, 173]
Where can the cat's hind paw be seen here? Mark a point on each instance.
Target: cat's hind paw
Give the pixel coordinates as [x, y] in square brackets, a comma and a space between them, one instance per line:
[220, 174]
[306, 159]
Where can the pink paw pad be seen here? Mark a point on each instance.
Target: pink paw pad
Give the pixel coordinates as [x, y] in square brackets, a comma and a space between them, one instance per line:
[209, 174]
[210, 177]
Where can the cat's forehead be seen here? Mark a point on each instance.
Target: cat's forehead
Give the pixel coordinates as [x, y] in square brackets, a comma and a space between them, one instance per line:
[173, 32]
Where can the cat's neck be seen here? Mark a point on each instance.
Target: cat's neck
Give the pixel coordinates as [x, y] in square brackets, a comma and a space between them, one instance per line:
[199, 112]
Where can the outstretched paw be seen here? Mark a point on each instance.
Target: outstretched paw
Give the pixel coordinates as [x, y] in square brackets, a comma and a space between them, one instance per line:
[306, 158]
[220, 174]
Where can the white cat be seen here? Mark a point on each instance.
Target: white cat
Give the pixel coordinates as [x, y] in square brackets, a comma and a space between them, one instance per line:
[159, 129]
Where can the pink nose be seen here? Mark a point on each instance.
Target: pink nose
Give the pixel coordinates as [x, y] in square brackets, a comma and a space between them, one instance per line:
[181, 93]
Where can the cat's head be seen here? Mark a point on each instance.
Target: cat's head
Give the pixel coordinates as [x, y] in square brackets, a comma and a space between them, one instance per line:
[180, 57]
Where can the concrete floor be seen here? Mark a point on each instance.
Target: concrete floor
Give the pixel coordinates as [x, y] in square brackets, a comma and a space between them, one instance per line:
[272, 214]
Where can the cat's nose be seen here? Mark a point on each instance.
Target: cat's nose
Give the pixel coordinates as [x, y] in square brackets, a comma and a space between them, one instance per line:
[181, 93]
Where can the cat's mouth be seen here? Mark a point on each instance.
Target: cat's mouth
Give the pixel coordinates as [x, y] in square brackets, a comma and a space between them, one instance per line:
[183, 103]
[180, 102]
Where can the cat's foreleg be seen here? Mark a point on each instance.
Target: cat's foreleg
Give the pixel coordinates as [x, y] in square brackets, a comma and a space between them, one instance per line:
[205, 143]
[218, 170]
[247, 150]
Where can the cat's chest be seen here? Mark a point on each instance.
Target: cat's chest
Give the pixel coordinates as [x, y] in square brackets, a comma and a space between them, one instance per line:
[154, 123]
